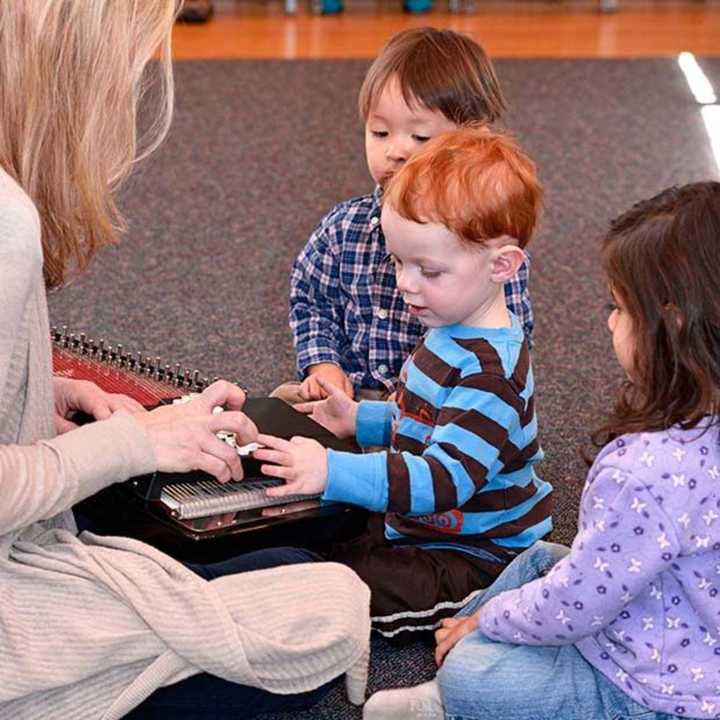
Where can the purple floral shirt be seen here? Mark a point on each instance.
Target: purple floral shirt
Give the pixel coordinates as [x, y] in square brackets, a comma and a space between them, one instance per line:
[638, 594]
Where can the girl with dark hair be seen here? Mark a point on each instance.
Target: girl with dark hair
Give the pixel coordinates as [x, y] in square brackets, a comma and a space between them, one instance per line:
[625, 624]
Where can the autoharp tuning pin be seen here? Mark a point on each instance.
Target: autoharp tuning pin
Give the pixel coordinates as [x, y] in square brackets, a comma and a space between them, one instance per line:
[177, 380]
[138, 361]
[186, 377]
[166, 373]
[63, 334]
[195, 378]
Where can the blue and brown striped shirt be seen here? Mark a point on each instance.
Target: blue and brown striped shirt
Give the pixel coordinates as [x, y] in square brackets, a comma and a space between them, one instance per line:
[463, 446]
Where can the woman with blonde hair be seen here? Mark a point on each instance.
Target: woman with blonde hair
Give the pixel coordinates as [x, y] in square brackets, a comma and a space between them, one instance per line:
[107, 627]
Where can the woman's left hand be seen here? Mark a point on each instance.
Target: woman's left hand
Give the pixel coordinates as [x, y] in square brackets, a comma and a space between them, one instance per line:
[84, 396]
[452, 630]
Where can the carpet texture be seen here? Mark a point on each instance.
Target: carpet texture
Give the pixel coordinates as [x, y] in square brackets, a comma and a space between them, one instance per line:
[260, 150]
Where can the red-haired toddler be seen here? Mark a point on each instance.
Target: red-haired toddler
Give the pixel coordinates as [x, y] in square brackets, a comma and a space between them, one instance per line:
[456, 496]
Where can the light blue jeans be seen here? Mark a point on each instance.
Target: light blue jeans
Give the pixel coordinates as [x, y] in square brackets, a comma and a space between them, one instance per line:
[486, 680]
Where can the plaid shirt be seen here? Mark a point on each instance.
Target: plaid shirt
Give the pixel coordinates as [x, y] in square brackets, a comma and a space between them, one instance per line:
[345, 308]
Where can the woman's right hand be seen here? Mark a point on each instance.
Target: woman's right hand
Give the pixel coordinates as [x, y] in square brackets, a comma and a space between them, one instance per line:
[338, 413]
[183, 435]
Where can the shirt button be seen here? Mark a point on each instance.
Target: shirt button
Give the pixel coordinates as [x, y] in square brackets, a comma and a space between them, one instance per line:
[374, 220]
[382, 369]
[382, 313]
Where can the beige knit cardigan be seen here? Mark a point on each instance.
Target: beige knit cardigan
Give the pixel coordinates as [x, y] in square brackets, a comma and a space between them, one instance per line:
[90, 626]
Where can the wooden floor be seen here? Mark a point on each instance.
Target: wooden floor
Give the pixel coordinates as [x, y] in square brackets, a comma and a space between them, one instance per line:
[555, 28]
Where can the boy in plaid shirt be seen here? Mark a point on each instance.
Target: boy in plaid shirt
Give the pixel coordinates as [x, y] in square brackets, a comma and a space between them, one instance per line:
[350, 326]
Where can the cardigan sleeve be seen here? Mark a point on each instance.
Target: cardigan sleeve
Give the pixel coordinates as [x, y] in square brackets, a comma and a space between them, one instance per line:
[39, 481]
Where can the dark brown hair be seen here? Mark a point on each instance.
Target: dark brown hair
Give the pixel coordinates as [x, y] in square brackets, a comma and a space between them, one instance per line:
[662, 259]
[440, 69]
[478, 184]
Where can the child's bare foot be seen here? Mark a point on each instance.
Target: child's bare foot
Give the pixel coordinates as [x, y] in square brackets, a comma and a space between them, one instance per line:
[421, 702]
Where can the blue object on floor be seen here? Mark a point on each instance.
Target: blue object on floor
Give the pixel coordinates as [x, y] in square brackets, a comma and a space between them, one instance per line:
[330, 7]
[417, 6]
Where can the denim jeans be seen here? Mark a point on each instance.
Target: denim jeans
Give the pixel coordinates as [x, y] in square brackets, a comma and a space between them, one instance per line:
[206, 697]
[484, 679]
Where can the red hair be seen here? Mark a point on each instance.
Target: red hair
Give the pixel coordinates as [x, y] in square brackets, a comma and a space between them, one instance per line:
[477, 183]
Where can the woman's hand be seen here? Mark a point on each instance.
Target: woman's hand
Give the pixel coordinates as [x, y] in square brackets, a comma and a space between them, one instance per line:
[183, 436]
[72, 396]
[338, 413]
[301, 462]
[314, 386]
[452, 630]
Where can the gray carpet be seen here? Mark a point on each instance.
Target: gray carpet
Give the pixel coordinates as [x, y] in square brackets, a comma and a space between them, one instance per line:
[261, 149]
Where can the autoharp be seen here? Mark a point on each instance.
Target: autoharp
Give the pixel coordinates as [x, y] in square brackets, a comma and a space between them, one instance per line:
[139, 375]
[172, 511]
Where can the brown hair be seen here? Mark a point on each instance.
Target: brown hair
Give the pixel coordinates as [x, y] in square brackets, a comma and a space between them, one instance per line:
[440, 69]
[72, 73]
[478, 184]
[662, 259]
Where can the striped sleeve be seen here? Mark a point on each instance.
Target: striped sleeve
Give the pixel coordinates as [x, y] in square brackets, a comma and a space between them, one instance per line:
[463, 454]
[374, 423]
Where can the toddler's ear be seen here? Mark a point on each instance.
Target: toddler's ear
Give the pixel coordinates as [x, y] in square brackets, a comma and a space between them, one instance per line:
[507, 260]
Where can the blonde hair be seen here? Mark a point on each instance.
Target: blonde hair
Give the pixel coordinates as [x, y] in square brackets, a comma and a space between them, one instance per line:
[72, 73]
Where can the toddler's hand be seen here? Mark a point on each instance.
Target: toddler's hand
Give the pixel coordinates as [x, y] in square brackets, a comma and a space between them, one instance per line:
[312, 387]
[301, 462]
[451, 632]
[338, 413]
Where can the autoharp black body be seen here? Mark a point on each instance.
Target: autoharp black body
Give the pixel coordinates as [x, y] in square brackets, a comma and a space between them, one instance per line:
[191, 516]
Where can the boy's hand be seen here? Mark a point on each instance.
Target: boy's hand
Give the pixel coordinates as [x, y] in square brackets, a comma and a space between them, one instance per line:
[312, 387]
[301, 462]
[451, 632]
[338, 413]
